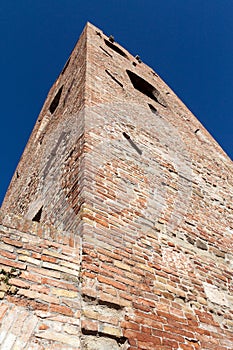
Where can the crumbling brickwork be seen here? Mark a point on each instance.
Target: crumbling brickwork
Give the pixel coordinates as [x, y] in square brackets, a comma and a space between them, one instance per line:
[116, 230]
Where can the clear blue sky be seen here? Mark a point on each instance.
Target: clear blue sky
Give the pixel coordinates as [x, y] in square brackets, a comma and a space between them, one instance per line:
[189, 43]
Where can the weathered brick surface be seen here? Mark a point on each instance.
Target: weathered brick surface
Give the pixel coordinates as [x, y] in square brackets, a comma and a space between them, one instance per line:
[44, 306]
[133, 249]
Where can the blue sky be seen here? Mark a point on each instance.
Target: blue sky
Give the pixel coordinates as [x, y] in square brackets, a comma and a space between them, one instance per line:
[189, 43]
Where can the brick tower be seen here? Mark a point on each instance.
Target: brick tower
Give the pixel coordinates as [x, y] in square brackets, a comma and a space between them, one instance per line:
[116, 229]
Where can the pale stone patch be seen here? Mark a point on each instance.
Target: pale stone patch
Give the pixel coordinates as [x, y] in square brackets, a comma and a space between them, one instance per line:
[17, 327]
[102, 343]
[215, 295]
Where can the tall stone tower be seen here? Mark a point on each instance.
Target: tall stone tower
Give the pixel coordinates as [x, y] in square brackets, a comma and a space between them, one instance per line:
[116, 229]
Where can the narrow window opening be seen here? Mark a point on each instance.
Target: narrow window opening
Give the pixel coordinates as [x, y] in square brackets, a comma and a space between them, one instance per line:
[65, 66]
[117, 81]
[154, 74]
[98, 33]
[106, 52]
[126, 136]
[138, 59]
[119, 340]
[37, 217]
[146, 88]
[55, 101]
[41, 139]
[115, 48]
[137, 149]
[196, 131]
[153, 109]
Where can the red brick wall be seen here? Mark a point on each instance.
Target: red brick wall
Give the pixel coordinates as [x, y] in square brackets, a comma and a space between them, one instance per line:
[180, 300]
[134, 245]
[40, 293]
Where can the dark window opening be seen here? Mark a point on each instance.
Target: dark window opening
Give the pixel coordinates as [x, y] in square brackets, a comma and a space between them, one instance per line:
[196, 131]
[65, 66]
[111, 38]
[98, 33]
[37, 217]
[137, 149]
[153, 73]
[55, 101]
[115, 48]
[105, 51]
[138, 59]
[119, 340]
[41, 138]
[146, 88]
[126, 136]
[117, 81]
[153, 109]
